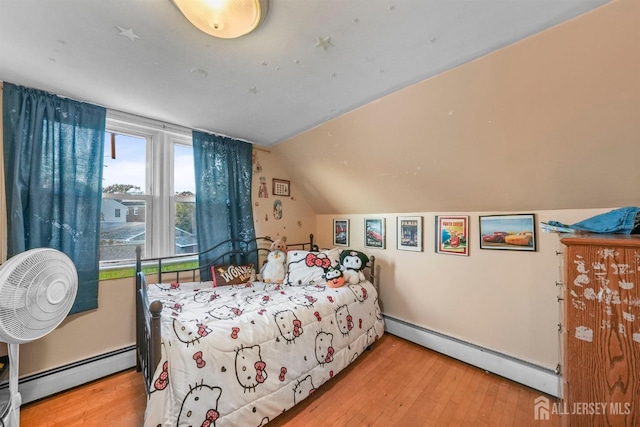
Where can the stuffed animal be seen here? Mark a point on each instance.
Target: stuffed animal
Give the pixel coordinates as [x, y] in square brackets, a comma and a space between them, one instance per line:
[279, 245]
[352, 263]
[334, 276]
[273, 270]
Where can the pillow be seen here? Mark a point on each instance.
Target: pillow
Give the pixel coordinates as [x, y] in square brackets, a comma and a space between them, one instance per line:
[230, 274]
[307, 267]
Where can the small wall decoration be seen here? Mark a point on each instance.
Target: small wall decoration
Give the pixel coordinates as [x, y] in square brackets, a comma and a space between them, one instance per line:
[341, 232]
[280, 187]
[263, 193]
[409, 234]
[374, 233]
[277, 209]
[452, 235]
[509, 232]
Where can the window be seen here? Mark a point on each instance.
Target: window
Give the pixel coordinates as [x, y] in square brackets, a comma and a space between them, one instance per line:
[148, 173]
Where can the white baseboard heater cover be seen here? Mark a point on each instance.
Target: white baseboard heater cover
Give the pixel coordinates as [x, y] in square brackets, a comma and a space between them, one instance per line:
[528, 374]
[55, 380]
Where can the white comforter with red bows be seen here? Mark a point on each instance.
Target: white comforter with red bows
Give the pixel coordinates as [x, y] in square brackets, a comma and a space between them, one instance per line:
[241, 355]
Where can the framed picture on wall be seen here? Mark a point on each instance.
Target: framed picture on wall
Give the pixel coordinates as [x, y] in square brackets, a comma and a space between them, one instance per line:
[341, 232]
[281, 187]
[374, 233]
[508, 232]
[409, 233]
[452, 235]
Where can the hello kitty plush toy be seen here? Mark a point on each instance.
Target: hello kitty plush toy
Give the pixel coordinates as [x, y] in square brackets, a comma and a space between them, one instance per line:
[273, 270]
[352, 263]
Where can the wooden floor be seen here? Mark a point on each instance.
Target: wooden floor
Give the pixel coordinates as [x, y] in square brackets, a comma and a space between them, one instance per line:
[396, 383]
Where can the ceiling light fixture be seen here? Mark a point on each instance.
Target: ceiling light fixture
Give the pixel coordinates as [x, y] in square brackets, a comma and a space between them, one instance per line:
[226, 19]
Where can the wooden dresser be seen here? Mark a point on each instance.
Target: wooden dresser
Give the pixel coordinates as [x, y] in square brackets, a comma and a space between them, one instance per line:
[601, 331]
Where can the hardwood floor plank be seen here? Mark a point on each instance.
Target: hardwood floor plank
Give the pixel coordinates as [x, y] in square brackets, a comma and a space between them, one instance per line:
[396, 383]
[118, 400]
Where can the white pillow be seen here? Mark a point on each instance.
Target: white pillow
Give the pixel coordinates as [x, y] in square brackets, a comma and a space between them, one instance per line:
[307, 267]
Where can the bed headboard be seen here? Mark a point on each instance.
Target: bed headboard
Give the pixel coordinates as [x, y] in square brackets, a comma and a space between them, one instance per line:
[176, 268]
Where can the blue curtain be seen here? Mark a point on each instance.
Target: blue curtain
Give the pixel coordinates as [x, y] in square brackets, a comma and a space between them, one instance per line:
[53, 155]
[223, 196]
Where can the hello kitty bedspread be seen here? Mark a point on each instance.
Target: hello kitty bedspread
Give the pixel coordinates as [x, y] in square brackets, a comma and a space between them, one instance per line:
[240, 355]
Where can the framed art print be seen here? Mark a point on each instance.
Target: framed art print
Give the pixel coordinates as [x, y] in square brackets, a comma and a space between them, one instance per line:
[452, 235]
[508, 232]
[281, 187]
[341, 232]
[409, 233]
[374, 233]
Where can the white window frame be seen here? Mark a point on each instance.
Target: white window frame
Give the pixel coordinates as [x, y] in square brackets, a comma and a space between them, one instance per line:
[159, 195]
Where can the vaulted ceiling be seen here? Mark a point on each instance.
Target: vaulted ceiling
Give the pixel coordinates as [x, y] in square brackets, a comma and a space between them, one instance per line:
[309, 61]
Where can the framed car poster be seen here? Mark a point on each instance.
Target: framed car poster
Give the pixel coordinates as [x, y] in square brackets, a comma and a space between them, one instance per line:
[341, 232]
[452, 235]
[508, 232]
[374, 233]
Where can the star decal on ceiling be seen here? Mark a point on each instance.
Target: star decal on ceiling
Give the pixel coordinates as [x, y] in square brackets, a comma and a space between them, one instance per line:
[324, 43]
[128, 33]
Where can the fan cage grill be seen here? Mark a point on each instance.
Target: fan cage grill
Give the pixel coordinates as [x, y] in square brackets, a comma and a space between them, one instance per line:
[37, 290]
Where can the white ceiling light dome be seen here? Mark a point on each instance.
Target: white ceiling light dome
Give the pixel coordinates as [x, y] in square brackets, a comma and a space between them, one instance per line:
[226, 19]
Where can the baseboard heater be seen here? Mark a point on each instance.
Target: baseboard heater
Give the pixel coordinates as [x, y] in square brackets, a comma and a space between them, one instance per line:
[47, 383]
[520, 371]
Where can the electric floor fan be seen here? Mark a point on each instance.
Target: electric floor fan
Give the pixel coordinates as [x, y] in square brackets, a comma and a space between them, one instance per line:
[37, 289]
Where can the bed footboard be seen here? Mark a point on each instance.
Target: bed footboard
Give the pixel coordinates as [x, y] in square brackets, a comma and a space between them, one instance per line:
[148, 335]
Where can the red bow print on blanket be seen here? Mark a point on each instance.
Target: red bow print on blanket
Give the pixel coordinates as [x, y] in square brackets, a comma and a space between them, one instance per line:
[297, 328]
[260, 371]
[202, 330]
[163, 379]
[234, 332]
[329, 357]
[314, 261]
[212, 416]
[200, 363]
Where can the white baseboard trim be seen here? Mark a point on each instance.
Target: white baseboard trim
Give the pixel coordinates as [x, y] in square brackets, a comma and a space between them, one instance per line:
[53, 381]
[534, 376]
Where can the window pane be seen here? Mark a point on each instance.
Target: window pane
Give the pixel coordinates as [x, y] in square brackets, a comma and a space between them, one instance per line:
[126, 173]
[119, 234]
[184, 176]
[184, 184]
[123, 222]
[186, 238]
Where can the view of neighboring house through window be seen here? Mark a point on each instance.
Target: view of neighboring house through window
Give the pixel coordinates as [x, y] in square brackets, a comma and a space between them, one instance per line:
[148, 193]
[184, 201]
[123, 186]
